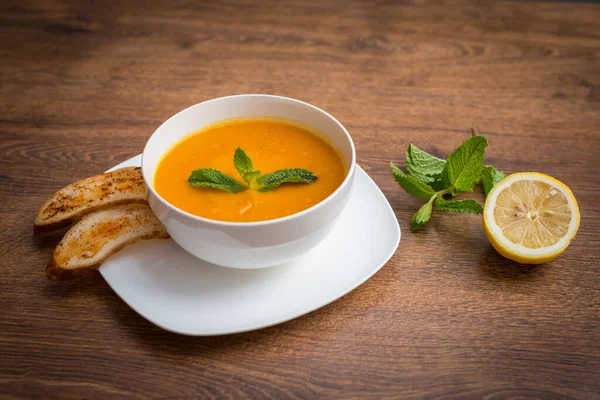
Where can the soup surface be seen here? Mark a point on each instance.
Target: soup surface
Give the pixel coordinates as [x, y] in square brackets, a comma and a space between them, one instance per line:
[271, 145]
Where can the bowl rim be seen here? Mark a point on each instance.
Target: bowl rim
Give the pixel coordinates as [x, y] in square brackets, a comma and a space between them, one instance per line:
[345, 182]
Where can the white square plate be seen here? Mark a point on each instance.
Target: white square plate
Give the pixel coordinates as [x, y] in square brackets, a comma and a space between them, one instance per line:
[180, 293]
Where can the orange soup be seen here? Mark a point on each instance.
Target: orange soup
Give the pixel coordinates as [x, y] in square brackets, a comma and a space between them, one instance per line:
[272, 145]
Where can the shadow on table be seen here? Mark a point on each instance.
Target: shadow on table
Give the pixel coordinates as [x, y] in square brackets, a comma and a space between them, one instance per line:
[170, 343]
[157, 339]
[494, 267]
[48, 241]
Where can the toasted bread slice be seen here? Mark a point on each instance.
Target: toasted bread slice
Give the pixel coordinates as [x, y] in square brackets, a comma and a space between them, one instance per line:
[123, 186]
[98, 236]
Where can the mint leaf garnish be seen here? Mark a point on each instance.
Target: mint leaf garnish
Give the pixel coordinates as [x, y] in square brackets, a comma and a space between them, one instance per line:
[464, 165]
[208, 177]
[245, 167]
[461, 206]
[490, 176]
[242, 162]
[421, 217]
[270, 181]
[423, 165]
[212, 178]
[411, 184]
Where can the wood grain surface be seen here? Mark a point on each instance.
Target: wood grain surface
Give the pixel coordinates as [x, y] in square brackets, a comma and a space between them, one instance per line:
[84, 83]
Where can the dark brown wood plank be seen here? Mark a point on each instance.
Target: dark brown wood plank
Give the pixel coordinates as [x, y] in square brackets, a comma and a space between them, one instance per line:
[83, 85]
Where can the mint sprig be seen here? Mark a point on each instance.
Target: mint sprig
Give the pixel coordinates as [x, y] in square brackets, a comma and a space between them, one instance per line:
[429, 178]
[212, 178]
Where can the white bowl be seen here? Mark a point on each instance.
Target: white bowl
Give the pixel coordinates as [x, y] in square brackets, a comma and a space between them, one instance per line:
[248, 244]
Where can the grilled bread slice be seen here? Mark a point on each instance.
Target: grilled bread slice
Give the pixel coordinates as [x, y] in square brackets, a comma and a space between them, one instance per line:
[122, 186]
[98, 236]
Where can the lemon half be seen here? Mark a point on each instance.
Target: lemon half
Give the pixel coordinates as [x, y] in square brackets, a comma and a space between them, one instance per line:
[530, 218]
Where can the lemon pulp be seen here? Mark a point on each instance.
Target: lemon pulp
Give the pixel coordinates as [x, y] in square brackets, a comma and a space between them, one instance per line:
[530, 217]
[532, 213]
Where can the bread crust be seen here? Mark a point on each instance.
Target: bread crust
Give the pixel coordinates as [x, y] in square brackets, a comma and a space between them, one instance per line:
[100, 235]
[96, 193]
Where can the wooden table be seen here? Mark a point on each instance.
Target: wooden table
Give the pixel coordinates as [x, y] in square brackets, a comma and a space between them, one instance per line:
[83, 85]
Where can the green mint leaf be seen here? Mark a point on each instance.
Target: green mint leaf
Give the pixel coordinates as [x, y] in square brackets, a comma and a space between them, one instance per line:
[243, 164]
[464, 165]
[462, 206]
[212, 178]
[420, 217]
[423, 165]
[272, 180]
[440, 184]
[490, 176]
[411, 185]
